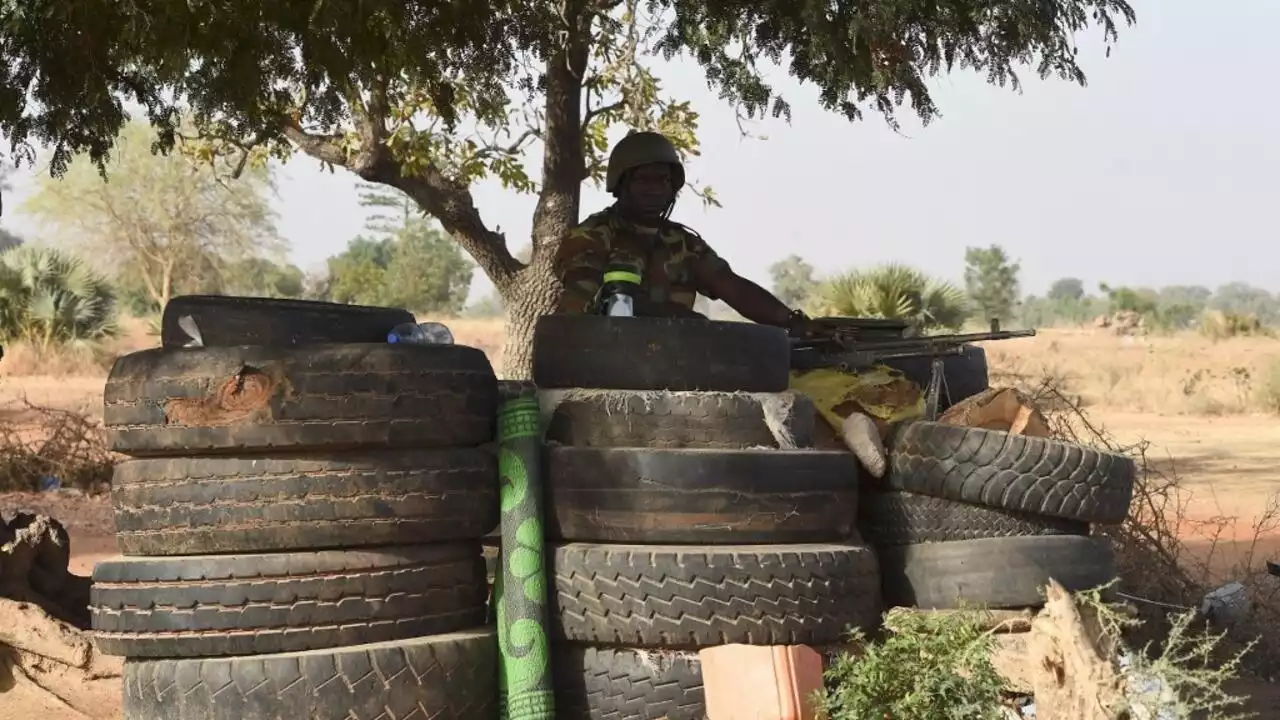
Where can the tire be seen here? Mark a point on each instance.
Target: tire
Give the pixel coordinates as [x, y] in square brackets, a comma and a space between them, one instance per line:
[626, 684]
[1036, 475]
[590, 351]
[994, 573]
[628, 418]
[209, 605]
[638, 495]
[200, 506]
[966, 374]
[444, 677]
[692, 597]
[224, 320]
[204, 401]
[898, 518]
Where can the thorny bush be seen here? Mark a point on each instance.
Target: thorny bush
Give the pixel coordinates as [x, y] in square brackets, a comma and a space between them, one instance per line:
[53, 443]
[1157, 572]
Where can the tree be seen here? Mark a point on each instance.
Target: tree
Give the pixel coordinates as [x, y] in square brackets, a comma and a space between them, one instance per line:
[792, 279]
[419, 268]
[430, 97]
[1244, 299]
[991, 280]
[1066, 290]
[893, 291]
[49, 297]
[260, 277]
[7, 239]
[162, 221]
[406, 261]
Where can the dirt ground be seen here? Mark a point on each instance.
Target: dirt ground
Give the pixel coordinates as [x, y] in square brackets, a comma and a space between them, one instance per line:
[1229, 462]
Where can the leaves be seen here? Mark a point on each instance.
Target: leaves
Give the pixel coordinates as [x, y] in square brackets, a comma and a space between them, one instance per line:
[893, 291]
[406, 262]
[991, 279]
[160, 220]
[929, 666]
[48, 297]
[793, 280]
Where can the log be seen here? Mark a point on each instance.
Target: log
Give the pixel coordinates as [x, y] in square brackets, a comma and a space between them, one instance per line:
[27, 627]
[1076, 676]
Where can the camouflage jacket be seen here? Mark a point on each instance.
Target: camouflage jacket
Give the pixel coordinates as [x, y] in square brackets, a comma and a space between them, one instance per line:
[673, 261]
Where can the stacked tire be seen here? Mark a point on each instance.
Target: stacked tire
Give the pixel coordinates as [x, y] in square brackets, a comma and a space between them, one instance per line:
[969, 517]
[686, 510]
[300, 532]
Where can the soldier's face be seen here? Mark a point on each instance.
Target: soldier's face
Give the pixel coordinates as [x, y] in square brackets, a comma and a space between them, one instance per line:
[649, 189]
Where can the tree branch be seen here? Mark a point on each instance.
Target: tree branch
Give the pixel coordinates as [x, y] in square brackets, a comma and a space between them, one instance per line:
[562, 157]
[446, 200]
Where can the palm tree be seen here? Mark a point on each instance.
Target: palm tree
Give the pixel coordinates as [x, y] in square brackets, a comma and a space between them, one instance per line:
[48, 298]
[893, 291]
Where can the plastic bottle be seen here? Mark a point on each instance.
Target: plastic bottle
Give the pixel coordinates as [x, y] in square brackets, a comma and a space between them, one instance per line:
[427, 333]
[617, 292]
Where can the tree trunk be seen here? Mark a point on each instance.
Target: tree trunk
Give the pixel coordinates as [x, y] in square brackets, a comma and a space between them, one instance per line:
[534, 290]
[533, 293]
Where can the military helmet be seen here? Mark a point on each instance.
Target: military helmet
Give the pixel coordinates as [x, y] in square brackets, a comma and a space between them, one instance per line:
[642, 148]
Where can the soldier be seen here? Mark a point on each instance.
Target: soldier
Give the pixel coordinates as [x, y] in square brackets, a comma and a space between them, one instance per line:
[645, 174]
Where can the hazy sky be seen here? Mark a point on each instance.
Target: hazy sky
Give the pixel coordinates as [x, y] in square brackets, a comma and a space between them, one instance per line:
[1159, 172]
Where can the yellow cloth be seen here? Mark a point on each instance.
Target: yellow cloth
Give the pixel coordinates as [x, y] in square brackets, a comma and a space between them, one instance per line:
[880, 391]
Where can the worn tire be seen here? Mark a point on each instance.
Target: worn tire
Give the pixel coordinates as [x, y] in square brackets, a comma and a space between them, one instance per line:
[629, 418]
[226, 320]
[640, 495]
[690, 597]
[994, 572]
[591, 351]
[443, 677]
[898, 518]
[966, 374]
[1010, 472]
[209, 605]
[198, 506]
[625, 684]
[204, 401]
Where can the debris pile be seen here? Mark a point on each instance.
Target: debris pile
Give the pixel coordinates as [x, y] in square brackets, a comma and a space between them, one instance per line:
[47, 659]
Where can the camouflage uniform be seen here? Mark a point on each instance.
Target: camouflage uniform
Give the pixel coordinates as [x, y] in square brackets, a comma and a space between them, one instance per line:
[669, 256]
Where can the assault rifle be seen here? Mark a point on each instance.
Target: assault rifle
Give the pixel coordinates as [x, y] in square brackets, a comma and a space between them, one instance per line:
[852, 344]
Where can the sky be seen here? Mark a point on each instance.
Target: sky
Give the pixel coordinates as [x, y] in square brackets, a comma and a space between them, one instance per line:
[1159, 172]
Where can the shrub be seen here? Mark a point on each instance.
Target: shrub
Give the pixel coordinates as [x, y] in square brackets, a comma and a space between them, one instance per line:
[50, 298]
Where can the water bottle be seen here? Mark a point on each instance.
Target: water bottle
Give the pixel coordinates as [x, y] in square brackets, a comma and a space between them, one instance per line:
[617, 292]
[427, 333]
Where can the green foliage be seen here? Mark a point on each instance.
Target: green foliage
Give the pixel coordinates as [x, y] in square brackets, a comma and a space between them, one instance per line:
[929, 666]
[50, 298]
[1182, 676]
[431, 97]
[417, 267]
[1066, 290]
[893, 291]
[163, 224]
[991, 280]
[793, 280]
[489, 306]
[238, 61]
[260, 277]
[1243, 299]
[8, 240]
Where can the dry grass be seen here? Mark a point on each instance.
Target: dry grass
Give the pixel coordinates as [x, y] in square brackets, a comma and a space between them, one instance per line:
[23, 360]
[1184, 374]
